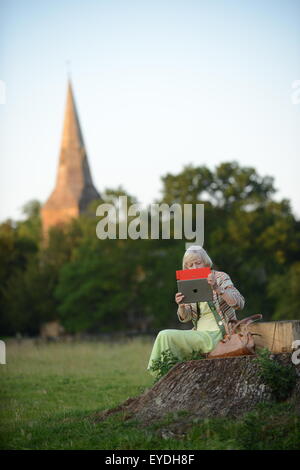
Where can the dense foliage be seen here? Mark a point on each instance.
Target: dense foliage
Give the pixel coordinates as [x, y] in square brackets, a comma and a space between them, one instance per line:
[96, 286]
[280, 378]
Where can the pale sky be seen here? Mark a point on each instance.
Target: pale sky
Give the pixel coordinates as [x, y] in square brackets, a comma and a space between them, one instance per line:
[158, 84]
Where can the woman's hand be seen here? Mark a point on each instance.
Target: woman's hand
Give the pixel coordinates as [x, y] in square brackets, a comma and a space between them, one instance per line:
[211, 279]
[178, 298]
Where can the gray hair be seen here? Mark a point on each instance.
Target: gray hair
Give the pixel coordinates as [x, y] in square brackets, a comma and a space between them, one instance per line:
[199, 252]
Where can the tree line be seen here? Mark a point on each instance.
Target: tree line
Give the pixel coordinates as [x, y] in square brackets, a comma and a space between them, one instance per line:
[105, 286]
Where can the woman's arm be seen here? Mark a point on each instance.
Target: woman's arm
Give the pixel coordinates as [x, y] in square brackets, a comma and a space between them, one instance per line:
[233, 298]
[184, 313]
[223, 286]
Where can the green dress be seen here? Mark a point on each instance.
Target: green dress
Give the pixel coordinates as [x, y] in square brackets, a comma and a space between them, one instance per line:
[181, 343]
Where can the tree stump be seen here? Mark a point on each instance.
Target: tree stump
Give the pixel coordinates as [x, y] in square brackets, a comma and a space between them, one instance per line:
[227, 386]
[277, 336]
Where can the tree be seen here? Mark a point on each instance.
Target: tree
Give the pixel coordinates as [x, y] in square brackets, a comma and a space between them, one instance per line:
[15, 254]
[234, 185]
[28, 298]
[230, 185]
[285, 289]
[31, 227]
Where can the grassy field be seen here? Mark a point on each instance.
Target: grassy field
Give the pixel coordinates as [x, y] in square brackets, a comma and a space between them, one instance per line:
[49, 392]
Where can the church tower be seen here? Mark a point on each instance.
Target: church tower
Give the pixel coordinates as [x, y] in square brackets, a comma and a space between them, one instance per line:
[74, 188]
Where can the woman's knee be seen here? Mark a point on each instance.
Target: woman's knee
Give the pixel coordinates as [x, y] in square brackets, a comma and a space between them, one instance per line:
[164, 333]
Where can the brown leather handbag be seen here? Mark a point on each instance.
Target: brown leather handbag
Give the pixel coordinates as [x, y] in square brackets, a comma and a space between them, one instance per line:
[239, 342]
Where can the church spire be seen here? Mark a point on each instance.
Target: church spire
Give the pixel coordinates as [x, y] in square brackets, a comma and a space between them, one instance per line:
[72, 134]
[74, 188]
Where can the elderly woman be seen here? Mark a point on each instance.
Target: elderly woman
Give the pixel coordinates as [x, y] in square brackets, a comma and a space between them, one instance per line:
[211, 320]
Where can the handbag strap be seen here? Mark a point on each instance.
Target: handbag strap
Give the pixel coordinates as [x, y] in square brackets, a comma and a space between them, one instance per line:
[216, 315]
[217, 318]
[247, 321]
[198, 316]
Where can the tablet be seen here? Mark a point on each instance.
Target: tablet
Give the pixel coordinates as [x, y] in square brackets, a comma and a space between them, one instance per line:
[197, 273]
[195, 290]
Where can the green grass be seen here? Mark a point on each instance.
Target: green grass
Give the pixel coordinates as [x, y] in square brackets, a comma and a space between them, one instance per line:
[49, 392]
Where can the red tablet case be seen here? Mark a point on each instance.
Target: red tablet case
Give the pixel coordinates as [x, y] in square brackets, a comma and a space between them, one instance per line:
[198, 273]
